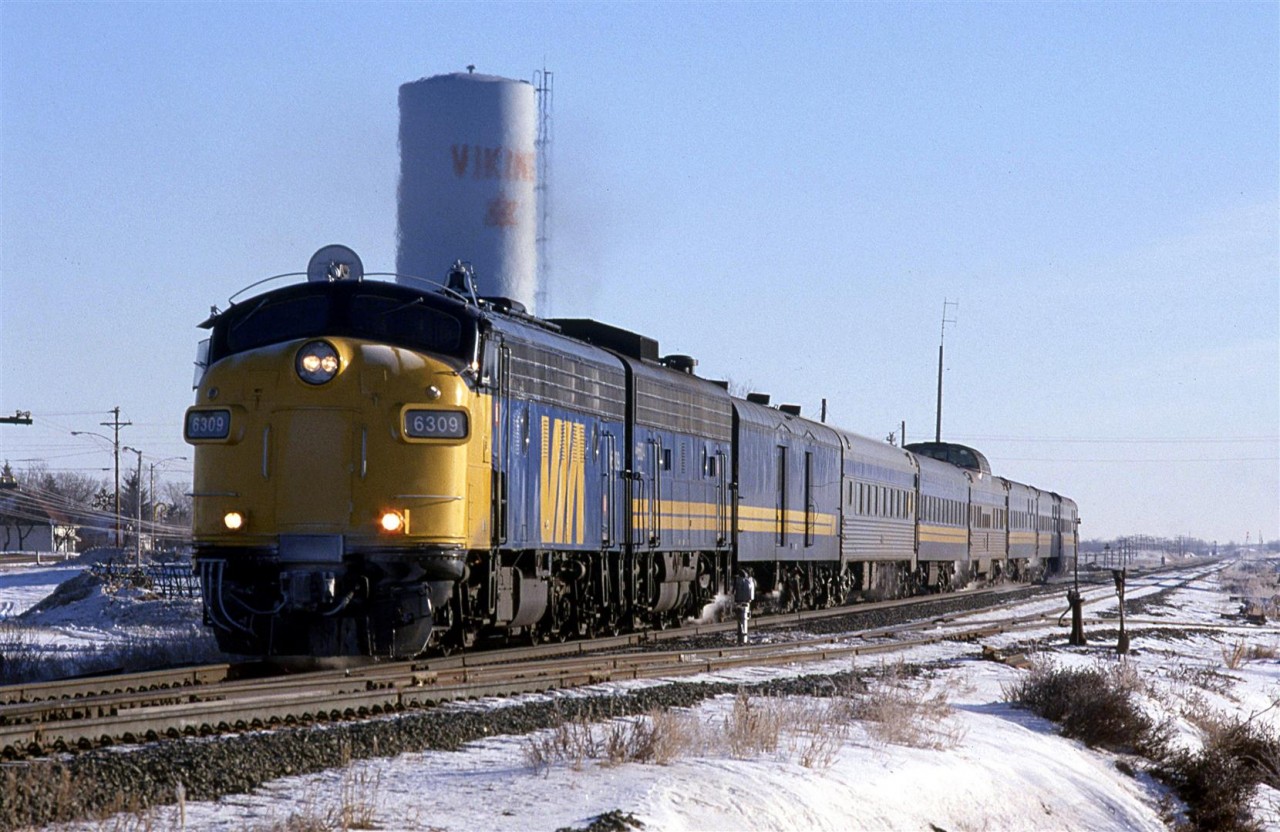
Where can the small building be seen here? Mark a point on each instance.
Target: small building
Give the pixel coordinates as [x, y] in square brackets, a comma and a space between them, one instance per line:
[29, 523]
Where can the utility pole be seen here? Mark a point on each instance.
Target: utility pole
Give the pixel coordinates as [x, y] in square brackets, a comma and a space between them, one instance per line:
[137, 529]
[115, 424]
[955, 305]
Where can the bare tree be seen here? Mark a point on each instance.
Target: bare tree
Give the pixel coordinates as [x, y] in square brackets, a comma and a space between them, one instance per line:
[175, 499]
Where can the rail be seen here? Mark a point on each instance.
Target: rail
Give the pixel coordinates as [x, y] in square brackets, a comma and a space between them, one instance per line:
[37, 719]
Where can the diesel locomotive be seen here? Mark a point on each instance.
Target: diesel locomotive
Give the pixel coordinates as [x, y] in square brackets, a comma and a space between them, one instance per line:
[384, 468]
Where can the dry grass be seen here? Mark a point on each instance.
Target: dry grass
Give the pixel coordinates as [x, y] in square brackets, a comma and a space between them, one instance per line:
[359, 799]
[1234, 655]
[753, 726]
[657, 738]
[356, 808]
[811, 732]
[1203, 677]
[816, 731]
[901, 711]
[660, 738]
[572, 742]
[1261, 652]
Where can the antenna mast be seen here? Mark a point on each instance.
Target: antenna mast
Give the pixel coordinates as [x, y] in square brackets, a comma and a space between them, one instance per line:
[544, 85]
[954, 305]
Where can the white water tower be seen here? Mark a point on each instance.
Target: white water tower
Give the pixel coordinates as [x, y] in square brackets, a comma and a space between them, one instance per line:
[468, 182]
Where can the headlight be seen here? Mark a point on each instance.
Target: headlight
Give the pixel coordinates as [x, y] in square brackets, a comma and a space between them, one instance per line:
[317, 362]
[233, 520]
[392, 522]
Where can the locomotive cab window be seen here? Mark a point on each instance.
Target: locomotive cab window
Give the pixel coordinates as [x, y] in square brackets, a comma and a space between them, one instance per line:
[386, 314]
[271, 321]
[410, 323]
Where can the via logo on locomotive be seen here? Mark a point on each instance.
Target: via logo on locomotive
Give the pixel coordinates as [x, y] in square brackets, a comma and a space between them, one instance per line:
[562, 481]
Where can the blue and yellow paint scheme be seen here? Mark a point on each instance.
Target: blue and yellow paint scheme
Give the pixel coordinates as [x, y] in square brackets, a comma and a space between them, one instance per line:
[944, 512]
[880, 502]
[381, 468]
[339, 480]
[788, 471]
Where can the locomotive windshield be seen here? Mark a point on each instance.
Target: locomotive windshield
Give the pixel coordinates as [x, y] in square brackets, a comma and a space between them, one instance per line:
[270, 321]
[376, 312]
[409, 322]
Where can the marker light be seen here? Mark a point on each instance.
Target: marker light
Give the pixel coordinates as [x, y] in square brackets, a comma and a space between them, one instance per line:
[392, 522]
[317, 362]
[233, 520]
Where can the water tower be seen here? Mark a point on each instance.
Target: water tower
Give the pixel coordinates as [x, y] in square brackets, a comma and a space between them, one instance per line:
[468, 182]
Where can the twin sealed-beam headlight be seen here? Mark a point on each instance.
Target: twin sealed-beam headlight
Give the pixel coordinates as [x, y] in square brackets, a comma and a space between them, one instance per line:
[233, 520]
[317, 362]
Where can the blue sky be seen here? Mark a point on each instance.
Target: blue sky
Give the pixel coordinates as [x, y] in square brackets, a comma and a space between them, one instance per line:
[787, 192]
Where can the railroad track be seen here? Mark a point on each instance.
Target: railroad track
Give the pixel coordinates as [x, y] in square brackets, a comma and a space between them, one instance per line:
[214, 699]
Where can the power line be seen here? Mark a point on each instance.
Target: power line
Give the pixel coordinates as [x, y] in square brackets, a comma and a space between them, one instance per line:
[1147, 459]
[1186, 440]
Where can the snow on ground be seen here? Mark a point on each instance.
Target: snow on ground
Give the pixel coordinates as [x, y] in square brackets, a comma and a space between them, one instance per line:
[23, 586]
[56, 619]
[991, 766]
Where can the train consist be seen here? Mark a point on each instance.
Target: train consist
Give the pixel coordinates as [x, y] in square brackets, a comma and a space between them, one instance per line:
[387, 468]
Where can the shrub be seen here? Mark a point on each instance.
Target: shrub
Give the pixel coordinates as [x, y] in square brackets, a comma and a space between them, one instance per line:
[1098, 706]
[1217, 781]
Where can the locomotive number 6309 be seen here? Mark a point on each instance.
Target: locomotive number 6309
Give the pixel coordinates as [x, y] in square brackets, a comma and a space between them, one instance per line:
[208, 424]
[436, 424]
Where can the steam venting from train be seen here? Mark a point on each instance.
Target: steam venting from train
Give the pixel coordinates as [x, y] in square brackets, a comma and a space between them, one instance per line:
[468, 176]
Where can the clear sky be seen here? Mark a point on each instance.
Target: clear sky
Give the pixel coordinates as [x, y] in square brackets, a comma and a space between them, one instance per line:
[788, 192]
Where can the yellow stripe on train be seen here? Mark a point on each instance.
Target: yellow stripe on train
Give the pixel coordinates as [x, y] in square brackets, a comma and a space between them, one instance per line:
[943, 534]
[705, 517]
